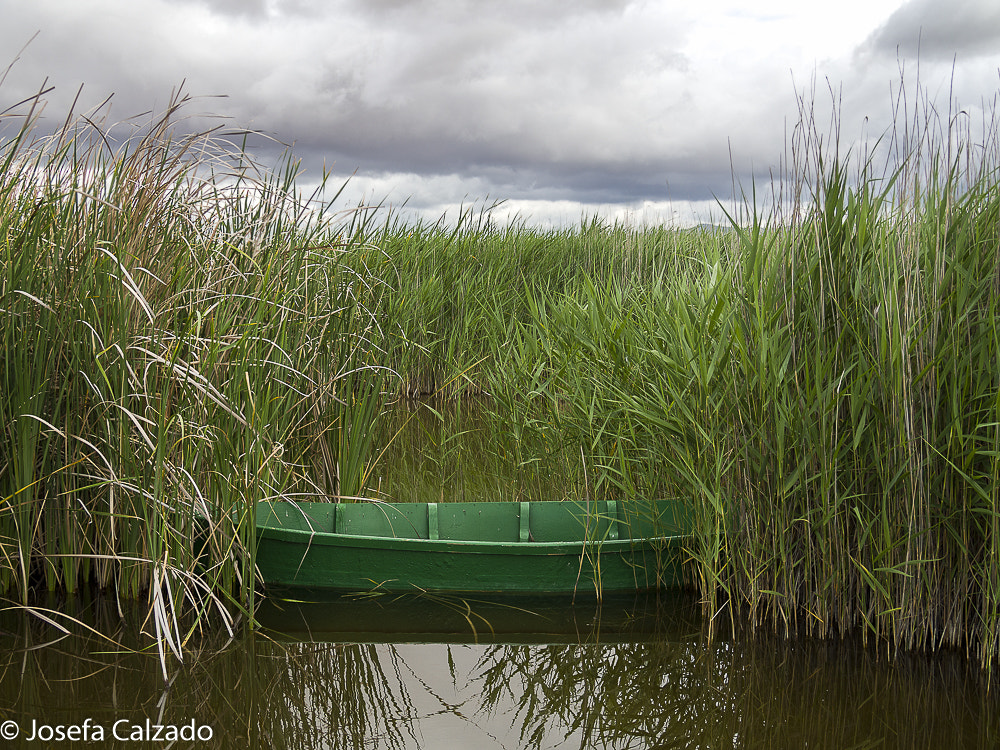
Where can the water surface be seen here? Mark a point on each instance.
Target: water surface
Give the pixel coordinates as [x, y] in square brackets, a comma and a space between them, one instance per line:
[442, 672]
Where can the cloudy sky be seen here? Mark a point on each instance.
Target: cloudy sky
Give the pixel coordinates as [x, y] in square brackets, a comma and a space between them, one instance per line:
[562, 108]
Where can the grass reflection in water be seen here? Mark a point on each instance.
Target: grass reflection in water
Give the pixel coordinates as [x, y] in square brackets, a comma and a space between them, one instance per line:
[625, 676]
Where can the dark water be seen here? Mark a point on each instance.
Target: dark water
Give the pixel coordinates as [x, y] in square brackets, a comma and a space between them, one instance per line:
[420, 672]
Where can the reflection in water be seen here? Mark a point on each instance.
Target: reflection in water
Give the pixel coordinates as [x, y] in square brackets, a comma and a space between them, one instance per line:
[748, 696]
[635, 674]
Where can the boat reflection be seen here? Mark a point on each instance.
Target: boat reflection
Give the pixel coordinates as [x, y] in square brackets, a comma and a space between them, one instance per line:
[413, 672]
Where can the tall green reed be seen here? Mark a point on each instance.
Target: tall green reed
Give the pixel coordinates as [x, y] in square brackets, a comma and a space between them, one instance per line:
[821, 386]
[180, 341]
[456, 295]
[818, 383]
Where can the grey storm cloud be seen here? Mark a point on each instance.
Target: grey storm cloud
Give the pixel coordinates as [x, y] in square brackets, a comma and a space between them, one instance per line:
[577, 102]
[935, 30]
[238, 8]
[567, 94]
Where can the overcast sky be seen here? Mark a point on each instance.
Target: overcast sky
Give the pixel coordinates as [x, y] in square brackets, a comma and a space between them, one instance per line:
[562, 108]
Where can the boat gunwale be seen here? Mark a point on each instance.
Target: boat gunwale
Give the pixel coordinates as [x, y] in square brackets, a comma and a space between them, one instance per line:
[337, 539]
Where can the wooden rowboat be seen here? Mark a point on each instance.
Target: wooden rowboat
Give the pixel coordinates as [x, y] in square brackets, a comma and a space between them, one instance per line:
[526, 547]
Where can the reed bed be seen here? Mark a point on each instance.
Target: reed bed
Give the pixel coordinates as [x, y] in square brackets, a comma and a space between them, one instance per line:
[179, 341]
[184, 334]
[459, 293]
[819, 381]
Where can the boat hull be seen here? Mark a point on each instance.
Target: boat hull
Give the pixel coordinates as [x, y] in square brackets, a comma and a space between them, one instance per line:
[556, 547]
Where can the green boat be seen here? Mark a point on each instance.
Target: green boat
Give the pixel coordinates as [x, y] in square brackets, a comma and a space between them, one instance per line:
[479, 547]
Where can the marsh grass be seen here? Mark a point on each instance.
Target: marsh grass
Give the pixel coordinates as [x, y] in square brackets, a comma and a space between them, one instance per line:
[818, 383]
[179, 340]
[457, 295]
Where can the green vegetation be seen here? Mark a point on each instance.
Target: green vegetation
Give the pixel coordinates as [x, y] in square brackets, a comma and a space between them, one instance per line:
[819, 381]
[179, 341]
